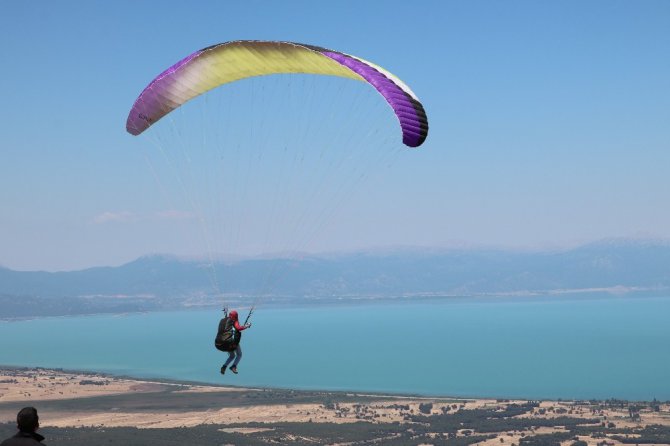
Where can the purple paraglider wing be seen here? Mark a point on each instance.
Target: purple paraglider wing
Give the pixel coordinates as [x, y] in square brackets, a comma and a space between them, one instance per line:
[227, 62]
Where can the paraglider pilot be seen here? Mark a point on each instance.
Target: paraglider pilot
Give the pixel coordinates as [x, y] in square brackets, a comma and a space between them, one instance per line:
[228, 340]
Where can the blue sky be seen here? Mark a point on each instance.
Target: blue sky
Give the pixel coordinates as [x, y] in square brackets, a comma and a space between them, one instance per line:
[549, 121]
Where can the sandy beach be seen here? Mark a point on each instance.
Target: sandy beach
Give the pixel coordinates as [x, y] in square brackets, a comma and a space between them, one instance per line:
[29, 386]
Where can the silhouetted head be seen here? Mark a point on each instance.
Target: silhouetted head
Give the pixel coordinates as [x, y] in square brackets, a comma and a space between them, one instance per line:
[27, 420]
[233, 315]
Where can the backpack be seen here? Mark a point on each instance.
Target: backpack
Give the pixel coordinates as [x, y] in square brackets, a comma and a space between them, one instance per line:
[227, 338]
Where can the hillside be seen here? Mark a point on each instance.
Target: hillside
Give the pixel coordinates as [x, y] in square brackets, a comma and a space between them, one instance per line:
[151, 282]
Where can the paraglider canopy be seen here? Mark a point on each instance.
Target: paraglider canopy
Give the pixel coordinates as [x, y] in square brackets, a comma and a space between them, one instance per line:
[263, 163]
[228, 62]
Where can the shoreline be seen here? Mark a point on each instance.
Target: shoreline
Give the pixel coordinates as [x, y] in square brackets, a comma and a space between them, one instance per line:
[336, 392]
[590, 294]
[181, 382]
[315, 390]
[72, 398]
[6, 370]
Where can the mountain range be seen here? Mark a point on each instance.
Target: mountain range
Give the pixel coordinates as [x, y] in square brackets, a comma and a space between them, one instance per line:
[616, 266]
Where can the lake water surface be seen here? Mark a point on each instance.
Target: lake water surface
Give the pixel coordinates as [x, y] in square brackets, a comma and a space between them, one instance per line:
[526, 348]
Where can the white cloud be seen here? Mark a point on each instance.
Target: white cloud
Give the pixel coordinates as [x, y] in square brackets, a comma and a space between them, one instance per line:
[128, 217]
[174, 215]
[116, 217]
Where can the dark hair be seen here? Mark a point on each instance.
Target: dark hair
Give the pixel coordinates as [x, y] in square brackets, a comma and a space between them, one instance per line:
[27, 419]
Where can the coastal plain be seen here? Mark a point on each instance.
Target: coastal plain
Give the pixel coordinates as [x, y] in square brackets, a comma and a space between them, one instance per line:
[74, 406]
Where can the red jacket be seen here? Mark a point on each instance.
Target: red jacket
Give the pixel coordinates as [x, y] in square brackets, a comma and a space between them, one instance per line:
[234, 317]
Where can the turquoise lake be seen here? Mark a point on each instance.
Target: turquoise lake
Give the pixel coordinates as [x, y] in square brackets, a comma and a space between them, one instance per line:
[525, 348]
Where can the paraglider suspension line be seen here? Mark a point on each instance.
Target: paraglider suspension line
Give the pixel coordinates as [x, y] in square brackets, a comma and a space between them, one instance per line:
[251, 311]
